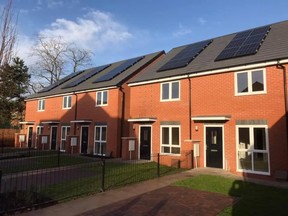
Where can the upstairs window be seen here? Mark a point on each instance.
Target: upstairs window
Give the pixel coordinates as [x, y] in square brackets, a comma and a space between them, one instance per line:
[102, 98]
[67, 102]
[170, 91]
[250, 82]
[41, 105]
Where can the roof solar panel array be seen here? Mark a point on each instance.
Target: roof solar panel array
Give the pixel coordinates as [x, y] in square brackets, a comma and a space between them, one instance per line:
[244, 43]
[86, 76]
[185, 56]
[118, 70]
[61, 81]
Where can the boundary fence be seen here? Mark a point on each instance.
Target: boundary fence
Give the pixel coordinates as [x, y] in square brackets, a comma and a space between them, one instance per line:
[32, 178]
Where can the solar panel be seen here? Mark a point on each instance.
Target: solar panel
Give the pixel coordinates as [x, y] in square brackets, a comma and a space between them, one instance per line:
[118, 70]
[86, 76]
[244, 43]
[185, 56]
[59, 82]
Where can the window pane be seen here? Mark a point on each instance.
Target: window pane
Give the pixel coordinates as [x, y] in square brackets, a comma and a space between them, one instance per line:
[104, 129]
[175, 90]
[65, 102]
[165, 149]
[68, 130]
[43, 104]
[245, 161]
[103, 148]
[175, 150]
[105, 97]
[63, 133]
[165, 91]
[175, 136]
[244, 140]
[97, 133]
[259, 139]
[261, 162]
[98, 98]
[69, 101]
[257, 81]
[242, 82]
[165, 136]
[97, 148]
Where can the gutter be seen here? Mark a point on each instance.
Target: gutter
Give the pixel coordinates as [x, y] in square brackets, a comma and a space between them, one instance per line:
[75, 113]
[190, 109]
[122, 118]
[283, 68]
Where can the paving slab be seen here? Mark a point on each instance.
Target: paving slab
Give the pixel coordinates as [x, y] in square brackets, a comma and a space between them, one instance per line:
[167, 201]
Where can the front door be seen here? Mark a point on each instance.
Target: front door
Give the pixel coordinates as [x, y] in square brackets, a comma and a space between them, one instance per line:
[84, 139]
[145, 142]
[214, 147]
[53, 137]
[30, 135]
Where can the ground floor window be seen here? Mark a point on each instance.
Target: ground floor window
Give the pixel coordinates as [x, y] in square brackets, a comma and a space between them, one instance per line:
[65, 131]
[39, 131]
[252, 148]
[100, 140]
[170, 139]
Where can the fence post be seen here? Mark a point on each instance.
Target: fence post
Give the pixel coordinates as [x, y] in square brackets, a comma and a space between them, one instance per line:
[158, 165]
[0, 180]
[103, 175]
[192, 159]
[58, 156]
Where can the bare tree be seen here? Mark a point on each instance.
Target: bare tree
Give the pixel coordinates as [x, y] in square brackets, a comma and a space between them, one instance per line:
[79, 57]
[50, 55]
[7, 33]
[54, 59]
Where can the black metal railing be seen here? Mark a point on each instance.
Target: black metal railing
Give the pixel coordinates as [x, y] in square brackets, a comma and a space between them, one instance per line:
[32, 178]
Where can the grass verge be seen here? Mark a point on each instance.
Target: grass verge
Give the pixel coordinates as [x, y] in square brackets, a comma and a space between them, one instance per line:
[255, 199]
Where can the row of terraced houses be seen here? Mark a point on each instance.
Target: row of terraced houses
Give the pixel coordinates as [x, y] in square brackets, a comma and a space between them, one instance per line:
[224, 98]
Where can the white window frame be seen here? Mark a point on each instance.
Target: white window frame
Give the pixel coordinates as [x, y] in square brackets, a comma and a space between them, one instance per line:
[66, 134]
[252, 150]
[100, 141]
[41, 105]
[66, 100]
[170, 139]
[102, 98]
[249, 73]
[170, 91]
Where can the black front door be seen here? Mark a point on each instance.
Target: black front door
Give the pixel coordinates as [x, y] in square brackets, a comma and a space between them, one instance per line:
[214, 149]
[84, 139]
[53, 138]
[30, 134]
[145, 143]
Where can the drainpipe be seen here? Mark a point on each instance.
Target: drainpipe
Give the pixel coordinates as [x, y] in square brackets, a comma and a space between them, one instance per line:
[75, 114]
[122, 117]
[282, 67]
[190, 109]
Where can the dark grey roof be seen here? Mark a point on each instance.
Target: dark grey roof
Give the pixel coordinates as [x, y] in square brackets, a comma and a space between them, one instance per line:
[88, 84]
[274, 47]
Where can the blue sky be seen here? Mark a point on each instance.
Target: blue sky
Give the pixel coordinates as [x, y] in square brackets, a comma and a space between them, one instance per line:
[120, 29]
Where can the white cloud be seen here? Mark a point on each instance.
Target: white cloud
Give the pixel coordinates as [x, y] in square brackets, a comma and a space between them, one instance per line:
[95, 30]
[23, 48]
[202, 21]
[182, 30]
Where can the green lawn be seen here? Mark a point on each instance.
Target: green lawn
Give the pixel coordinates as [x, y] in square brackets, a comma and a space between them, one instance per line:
[35, 162]
[116, 175]
[254, 199]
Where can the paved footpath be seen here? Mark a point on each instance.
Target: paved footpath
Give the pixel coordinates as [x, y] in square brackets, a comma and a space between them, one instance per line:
[152, 197]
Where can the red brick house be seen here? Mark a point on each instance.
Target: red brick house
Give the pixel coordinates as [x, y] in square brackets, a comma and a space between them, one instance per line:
[224, 98]
[84, 112]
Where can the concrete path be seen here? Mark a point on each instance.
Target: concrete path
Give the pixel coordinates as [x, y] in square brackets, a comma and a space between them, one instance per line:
[130, 199]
